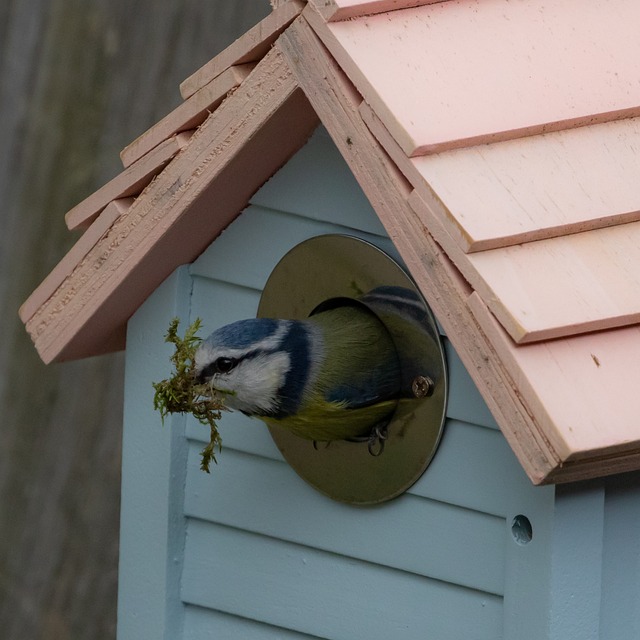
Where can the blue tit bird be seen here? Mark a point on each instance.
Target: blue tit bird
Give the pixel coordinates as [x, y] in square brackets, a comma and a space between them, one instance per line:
[332, 376]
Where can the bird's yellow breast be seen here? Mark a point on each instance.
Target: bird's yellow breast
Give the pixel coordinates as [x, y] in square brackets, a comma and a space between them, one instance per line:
[325, 421]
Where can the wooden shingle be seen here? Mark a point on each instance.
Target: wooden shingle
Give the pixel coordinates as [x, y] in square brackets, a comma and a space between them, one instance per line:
[462, 72]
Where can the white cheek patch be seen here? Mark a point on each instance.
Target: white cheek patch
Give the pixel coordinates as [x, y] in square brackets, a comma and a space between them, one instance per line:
[254, 383]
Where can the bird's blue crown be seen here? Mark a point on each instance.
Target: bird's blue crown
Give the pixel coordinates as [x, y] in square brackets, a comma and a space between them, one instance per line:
[244, 334]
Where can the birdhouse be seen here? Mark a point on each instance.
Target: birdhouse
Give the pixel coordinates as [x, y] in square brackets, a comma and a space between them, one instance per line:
[490, 152]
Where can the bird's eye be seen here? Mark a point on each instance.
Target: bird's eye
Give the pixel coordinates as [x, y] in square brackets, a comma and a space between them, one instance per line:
[224, 365]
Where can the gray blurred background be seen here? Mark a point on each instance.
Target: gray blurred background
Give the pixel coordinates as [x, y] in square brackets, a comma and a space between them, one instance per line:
[79, 80]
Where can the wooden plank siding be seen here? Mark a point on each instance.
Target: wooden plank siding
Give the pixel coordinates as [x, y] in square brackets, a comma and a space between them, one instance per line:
[324, 594]
[153, 471]
[260, 553]
[266, 552]
[252, 551]
[620, 603]
[201, 623]
[433, 540]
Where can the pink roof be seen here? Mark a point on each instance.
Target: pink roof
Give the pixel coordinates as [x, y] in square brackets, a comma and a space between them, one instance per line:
[463, 72]
[498, 142]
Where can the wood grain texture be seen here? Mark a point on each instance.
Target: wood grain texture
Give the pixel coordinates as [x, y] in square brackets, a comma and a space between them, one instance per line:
[287, 232]
[532, 188]
[518, 422]
[199, 621]
[434, 540]
[336, 101]
[457, 73]
[129, 183]
[319, 186]
[621, 556]
[170, 226]
[581, 390]
[188, 115]
[564, 286]
[465, 402]
[250, 47]
[552, 288]
[332, 10]
[87, 241]
[578, 531]
[293, 579]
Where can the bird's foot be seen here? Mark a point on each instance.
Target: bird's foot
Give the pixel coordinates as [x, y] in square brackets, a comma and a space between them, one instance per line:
[377, 439]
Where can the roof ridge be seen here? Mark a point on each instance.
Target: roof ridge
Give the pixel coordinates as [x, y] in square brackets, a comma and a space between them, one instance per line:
[337, 10]
[250, 47]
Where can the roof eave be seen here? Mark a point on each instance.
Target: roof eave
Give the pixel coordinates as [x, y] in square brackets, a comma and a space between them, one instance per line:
[245, 141]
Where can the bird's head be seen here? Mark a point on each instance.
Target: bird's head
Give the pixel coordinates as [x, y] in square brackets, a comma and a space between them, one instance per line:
[339, 359]
[252, 362]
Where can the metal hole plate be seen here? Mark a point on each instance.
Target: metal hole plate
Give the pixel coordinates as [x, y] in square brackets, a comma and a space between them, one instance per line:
[334, 266]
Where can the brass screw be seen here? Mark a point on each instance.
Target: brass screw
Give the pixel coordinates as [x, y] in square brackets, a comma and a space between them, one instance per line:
[422, 386]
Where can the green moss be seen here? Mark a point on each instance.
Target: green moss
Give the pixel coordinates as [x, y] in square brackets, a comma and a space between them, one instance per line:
[182, 394]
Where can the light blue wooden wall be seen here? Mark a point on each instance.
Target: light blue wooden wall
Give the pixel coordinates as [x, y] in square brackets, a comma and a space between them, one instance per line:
[252, 552]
